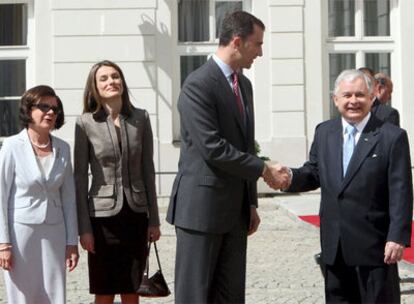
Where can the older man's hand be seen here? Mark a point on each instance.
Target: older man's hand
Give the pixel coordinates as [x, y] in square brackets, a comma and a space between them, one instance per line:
[393, 252]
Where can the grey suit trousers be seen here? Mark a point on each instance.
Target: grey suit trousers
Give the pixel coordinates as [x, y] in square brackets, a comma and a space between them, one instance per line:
[214, 255]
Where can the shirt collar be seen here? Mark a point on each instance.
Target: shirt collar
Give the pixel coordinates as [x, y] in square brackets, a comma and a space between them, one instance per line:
[224, 67]
[359, 125]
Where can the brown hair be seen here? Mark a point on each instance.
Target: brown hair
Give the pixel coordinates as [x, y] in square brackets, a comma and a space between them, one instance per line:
[91, 99]
[32, 97]
[239, 24]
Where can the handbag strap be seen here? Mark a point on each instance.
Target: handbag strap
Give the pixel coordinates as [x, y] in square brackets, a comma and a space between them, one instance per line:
[158, 258]
[148, 261]
[156, 254]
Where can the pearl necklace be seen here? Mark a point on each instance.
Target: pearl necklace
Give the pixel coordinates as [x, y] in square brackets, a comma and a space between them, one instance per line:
[39, 145]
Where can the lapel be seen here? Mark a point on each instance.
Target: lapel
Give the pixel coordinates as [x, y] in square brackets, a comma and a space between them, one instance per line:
[227, 94]
[32, 164]
[56, 154]
[114, 137]
[29, 157]
[124, 138]
[334, 153]
[366, 143]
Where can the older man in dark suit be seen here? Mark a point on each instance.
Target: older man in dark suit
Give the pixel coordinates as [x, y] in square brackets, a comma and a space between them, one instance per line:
[363, 168]
[214, 198]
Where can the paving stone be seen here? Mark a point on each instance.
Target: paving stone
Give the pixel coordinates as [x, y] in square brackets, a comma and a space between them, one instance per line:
[280, 263]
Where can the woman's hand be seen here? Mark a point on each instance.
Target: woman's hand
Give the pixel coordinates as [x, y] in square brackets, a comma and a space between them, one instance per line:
[154, 233]
[72, 257]
[6, 256]
[87, 242]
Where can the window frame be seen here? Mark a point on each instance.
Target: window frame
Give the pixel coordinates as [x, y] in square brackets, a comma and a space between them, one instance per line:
[360, 45]
[21, 52]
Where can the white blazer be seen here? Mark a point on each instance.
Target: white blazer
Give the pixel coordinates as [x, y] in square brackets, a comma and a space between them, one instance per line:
[29, 197]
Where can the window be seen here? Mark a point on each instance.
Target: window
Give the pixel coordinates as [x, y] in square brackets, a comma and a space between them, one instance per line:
[13, 55]
[337, 63]
[189, 64]
[198, 24]
[359, 34]
[13, 84]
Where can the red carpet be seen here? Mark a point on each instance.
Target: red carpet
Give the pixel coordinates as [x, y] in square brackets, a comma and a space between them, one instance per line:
[311, 219]
[408, 252]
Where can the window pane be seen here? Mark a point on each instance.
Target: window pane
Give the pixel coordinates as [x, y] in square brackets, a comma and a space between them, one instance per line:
[379, 62]
[13, 24]
[341, 18]
[223, 8]
[9, 117]
[193, 20]
[377, 17]
[13, 77]
[189, 64]
[338, 63]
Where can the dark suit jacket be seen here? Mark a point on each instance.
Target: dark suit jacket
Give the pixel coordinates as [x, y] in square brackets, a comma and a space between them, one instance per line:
[372, 204]
[385, 113]
[217, 171]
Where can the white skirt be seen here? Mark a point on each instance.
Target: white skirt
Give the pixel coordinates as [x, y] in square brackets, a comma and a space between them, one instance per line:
[38, 274]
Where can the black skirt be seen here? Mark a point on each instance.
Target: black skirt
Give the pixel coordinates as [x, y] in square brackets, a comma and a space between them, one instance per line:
[120, 252]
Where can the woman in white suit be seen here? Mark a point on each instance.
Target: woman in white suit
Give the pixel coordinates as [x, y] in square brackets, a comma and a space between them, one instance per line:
[38, 222]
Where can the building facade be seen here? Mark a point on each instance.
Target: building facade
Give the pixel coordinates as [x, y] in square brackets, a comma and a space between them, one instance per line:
[158, 43]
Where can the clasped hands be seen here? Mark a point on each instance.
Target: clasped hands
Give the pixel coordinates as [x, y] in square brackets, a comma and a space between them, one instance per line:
[277, 176]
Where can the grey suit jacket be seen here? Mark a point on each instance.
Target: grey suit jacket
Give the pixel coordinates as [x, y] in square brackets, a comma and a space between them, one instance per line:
[29, 197]
[373, 203]
[115, 170]
[218, 170]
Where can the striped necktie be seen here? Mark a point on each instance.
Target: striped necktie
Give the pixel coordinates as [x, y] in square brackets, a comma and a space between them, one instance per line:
[236, 91]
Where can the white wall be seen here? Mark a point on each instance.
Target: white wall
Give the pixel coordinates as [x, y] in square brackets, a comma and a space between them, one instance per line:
[279, 82]
[289, 92]
[406, 46]
[73, 35]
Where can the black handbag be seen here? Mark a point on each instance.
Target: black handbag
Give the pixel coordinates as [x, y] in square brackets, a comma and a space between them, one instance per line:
[154, 286]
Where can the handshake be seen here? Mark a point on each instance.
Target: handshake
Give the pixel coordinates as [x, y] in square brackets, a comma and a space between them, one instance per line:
[277, 176]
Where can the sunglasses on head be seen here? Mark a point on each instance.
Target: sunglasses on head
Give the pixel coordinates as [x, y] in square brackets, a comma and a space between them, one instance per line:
[44, 107]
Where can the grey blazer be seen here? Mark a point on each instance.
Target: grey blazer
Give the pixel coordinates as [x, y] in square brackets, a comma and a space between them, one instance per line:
[218, 169]
[116, 168]
[29, 197]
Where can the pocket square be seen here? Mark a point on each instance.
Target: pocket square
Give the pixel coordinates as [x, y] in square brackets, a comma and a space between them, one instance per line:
[374, 155]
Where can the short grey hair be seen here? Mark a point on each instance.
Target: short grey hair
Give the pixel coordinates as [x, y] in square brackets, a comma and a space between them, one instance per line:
[350, 76]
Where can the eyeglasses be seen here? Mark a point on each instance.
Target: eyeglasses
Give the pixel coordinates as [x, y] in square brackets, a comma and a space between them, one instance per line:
[44, 107]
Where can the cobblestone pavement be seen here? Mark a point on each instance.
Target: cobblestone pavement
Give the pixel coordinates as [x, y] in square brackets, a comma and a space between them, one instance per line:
[280, 265]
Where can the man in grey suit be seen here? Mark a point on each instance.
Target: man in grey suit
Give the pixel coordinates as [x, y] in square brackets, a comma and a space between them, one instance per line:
[214, 198]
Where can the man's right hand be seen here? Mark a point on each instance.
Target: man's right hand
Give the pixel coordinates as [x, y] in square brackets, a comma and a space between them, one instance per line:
[277, 176]
[87, 242]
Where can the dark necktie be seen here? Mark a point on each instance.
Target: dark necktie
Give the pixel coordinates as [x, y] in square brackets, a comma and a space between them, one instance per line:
[236, 92]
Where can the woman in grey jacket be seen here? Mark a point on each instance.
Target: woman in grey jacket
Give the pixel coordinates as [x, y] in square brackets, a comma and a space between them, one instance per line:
[118, 213]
